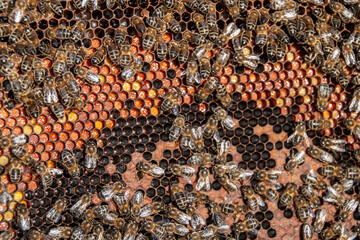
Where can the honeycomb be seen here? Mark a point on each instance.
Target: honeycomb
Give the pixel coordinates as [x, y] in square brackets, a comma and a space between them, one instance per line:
[125, 120]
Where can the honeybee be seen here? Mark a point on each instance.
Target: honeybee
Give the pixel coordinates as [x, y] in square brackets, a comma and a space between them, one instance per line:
[227, 183]
[125, 57]
[109, 191]
[87, 75]
[319, 222]
[186, 136]
[312, 179]
[261, 35]
[175, 228]
[179, 196]
[178, 215]
[222, 148]
[249, 224]
[213, 34]
[200, 159]
[263, 175]
[329, 171]
[50, 93]
[174, 50]
[131, 70]
[170, 100]
[54, 214]
[99, 211]
[333, 196]
[323, 95]
[201, 50]
[197, 220]
[177, 6]
[60, 32]
[308, 192]
[352, 172]
[172, 23]
[112, 50]
[5, 196]
[201, 24]
[210, 128]
[121, 199]
[80, 55]
[307, 231]
[197, 141]
[345, 14]
[333, 230]
[233, 8]
[39, 71]
[192, 73]
[205, 67]
[60, 232]
[208, 87]
[177, 128]
[15, 171]
[353, 126]
[120, 35]
[288, 194]
[210, 14]
[203, 183]
[161, 48]
[157, 24]
[23, 217]
[150, 169]
[17, 12]
[345, 234]
[46, 174]
[284, 15]
[226, 120]
[295, 160]
[354, 105]
[336, 145]
[99, 56]
[320, 155]
[151, 209]
[223, 95]
[16, 34]
[149, 38]
[81, 231]
[230, 32]
[12, 62]
[349, 55]
[80, 206]
[98, 231]
[301, 208]
[13, 141]
[194, 38]
[157, 231]
[249, 61]
[131, 230]
[69, 161]
[21, 153]
[91, 156]
[184, 171]
[183, 53]
[347, 209]
[266, 191]
[320, 124]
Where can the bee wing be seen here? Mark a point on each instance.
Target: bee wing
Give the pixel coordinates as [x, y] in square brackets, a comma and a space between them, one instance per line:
[90, 161]
[19, 140]
[129, 236]
[196, 220]
[181, 229]
[347, 184]
[331, 195]
[354, 105]
[236, 32]
[183, 218]
[194, 160]
[320, 215]
[138, 197]
[56, 232]
[5, 197]
[259, 200]
[176, 110]
[203, 184]
[299, 157]
[184, 72]
[228, 123]
[206, 233]
[55, 171]
[53, 212]
[25, 223]
[327, 157]
[351, 206]
[289, 14]
[78, 208]
[350, 59]
[246, 174]
[253, 57]
[187, 170]
[317, 2]
[93, 78]
[197, 78]
[157, 170]
[146, 211]
[217, 136]
[229, 28]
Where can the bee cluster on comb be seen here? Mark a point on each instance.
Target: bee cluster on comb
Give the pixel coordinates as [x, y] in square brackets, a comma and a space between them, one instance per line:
[189, 119]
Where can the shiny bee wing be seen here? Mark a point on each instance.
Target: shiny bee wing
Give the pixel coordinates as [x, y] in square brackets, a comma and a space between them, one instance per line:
[217, 136]
[350, 58]
[181, 229]
[84, 3]
[327, 157]
[90, 161]
[320, 215]
[289, 14]
[259, 201]
[224, 146]
[19, 140]
[184, 72]
[56, 232]
[245, 174]
[339, 145]
[196, 221]
[93, 78]
[278, 4]
[95, 4]
[55, 171]
[53, 212]
[229, 28]
[299, 157]
[348, 184]
[138, 197]
[157, 170]
[354, 105]
[253, 57]
[146, 211]
[129, 236]
[236, 32]
[5, 197]
[351, 206]
[183, 218]
[194, 159]
[24, 222]
[228, 123]
[317, 2]
[187, 170]
[206, 233]
[176, 109]
[203, 184]
[331, 195]
[197, 78]
[78, 208]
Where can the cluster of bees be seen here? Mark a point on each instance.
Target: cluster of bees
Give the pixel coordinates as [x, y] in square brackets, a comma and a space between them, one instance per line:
[272, 28]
